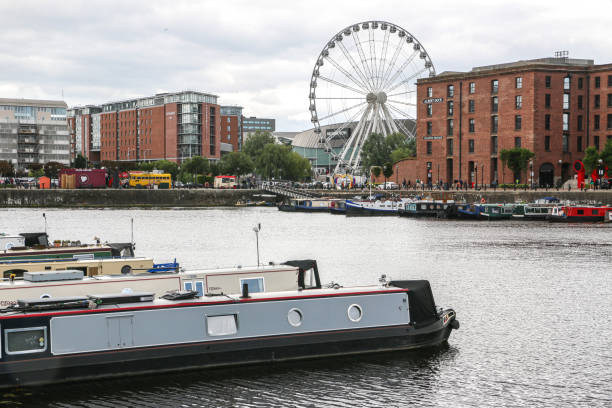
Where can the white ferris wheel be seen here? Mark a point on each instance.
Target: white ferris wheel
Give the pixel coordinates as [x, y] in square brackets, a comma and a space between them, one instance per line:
[364, 82]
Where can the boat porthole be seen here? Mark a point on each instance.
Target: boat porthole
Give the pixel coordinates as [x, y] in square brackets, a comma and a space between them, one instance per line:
[355, 313]
[295, 317]
[45, 296]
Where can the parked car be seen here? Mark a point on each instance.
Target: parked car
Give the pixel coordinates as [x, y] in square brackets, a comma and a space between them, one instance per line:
[389, 185]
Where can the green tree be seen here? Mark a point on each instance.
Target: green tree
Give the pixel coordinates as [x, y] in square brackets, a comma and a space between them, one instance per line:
[272, 160]
[6, 168]
[215, 168]
[516, 159]
[297, 168]
[51, 169]
[590, 159]
[36, 172]
[387, 171]
[237, 163]
[375, 152]
[80, 162]
[606, 155]
[255, 144]
[167, 166]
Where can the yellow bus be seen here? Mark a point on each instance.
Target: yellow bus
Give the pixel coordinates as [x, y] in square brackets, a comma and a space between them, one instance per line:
[150, 180]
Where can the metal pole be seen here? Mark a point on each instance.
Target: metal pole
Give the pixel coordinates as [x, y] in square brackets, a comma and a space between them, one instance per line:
[45, 217]
[257, 229]
[132, 232]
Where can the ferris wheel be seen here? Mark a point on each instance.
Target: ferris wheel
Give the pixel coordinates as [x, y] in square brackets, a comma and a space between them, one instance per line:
[364, 82]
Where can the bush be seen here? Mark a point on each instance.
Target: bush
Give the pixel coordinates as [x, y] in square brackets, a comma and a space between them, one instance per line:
[519, 186]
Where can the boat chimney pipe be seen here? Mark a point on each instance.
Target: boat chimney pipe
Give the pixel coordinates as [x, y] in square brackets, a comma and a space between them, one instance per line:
[245, 291]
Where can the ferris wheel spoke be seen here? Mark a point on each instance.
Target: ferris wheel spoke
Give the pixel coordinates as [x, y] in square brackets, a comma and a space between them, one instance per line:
[372, 56]
[361, 97]
[354, 64]
[400, 112]
[341, 84]
[363, 112]
[403, 103]
[389, 119]
[342, 111]
[410, 78]
[402, 93]
[389, 69]
[363, 58]
[346, 73]
[383, 58]
[400, 70]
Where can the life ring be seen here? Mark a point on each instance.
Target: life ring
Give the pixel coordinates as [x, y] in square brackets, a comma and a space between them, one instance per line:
[482, 200]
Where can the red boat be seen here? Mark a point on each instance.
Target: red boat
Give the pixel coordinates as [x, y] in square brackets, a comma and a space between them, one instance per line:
[571, 213]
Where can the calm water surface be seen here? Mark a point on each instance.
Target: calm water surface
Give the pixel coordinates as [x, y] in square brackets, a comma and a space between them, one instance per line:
[533, 298]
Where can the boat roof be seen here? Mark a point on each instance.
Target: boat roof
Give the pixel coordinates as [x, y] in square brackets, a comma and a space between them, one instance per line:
[160, 303]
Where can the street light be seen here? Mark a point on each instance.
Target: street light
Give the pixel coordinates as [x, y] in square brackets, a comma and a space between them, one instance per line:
[256, 230]
[531, 172]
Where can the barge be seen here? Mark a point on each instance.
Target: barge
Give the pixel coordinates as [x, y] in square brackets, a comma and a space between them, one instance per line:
[48, 341]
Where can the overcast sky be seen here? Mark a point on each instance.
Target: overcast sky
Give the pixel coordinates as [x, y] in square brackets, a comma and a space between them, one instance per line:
[260, 54]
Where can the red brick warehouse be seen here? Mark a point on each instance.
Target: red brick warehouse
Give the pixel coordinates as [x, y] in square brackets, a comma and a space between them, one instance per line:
[555, 107]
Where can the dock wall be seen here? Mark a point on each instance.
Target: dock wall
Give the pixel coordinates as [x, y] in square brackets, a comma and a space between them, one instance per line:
[216, 198]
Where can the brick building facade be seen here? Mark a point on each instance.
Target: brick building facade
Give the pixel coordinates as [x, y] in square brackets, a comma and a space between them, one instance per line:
[168, 126]
[555, 107]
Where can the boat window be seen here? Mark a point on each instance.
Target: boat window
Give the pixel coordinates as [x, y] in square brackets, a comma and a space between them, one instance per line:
[199, 287]
[355, 313]
[594, 212]
[580, 212]
[254, 284]
[22, 341]
[295, 317]
[223, 325]
[188, 285]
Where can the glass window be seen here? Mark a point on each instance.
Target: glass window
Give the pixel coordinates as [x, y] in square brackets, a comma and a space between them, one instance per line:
[254, 284]
[517, 122]
[580, 83]
[471, 106]
[450, 91]
[566, 82]
[494, 124]
[547, 81]
[609, 80]
[450, 106]
[596, 102]
[429, 147]
[566, 101]
[547, 122]
[518, 101]
[472, 125]
[566, 121]
[609, 100]
[471, 145]
[188, 285]
[517, 142]
[597, 82]
[579, 122]
[472, 87]
[449, 147]
[199, 287]
[518, 81]
[579, 101]
[547, 100]
[429, 109]
[579, 143]
[429, 92]
[596, 142]
[22, 341]
[494, 144]
[221, 325]
[547, 143]
[429, 128]
[449, 128]
[494, 86]
[609, 121]
[494, 104]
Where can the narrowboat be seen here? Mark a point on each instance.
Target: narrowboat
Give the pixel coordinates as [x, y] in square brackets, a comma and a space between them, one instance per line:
[429, 208]
[574, 213]
[305, 205]
[374, 208]
[468, 211]
[493, 212]
[206, 282]
[337, 207]
[47, 341]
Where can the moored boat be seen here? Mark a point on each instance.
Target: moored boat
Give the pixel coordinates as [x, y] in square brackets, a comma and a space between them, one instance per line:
[577, 213]
[89, 337]
[428, 208]
[305, 205]
[468, 211]
[374, 207]
[494, 212]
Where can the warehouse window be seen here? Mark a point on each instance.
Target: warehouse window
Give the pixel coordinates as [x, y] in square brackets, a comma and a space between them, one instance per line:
[517, 142]
[547, 143]
[547, 100]
[451, 107]
[429, 109]
[518, 81]
[429, 128]
[450, 91]
[429, 92]
[547, 81]
[494, 86]
[429, 147]
[517, 122]
[472, 87]
[596, 102]
[472, 125]
[471, 145]
[471, 106]
[566, 101]
[518, 101]
[597, 82]
[547, 122]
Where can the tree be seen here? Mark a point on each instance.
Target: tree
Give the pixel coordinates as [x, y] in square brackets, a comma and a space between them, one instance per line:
[255, 144]
[80, 162]
[375, 152]
[297, 167]
[36, 172]
[590, 159]
[516, 159]
[387, 171]
[606, 154]
[6, 168]
[237, 163]
[51, 169]
[271, 161]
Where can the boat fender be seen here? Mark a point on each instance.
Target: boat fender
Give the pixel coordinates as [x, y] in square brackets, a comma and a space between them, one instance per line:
[483, 200]
[126, 269]
[455, 324]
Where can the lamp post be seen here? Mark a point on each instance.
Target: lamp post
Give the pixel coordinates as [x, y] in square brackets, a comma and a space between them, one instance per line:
[256, 230]
[600, 172]
[531, 172]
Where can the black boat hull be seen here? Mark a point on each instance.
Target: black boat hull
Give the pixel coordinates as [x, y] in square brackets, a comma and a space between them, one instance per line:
[222, 353]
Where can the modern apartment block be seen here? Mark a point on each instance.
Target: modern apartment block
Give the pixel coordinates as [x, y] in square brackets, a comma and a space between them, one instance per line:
[231, 129]
[167, 126]
[33, 132]
[253, 124]
[555, 107]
